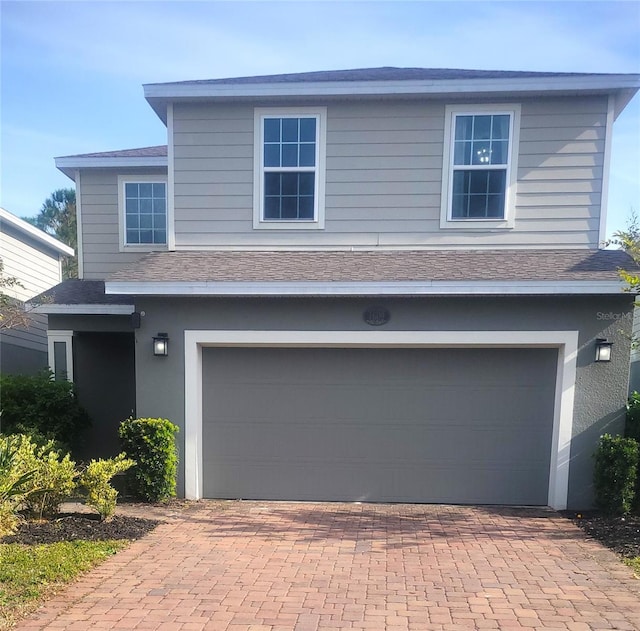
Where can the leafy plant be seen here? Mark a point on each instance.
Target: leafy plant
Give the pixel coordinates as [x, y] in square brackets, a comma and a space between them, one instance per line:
[615, 473]
[632, 424]
[54, 475]
[151, 443]
[96, 480]
[13, 487]
[37, 404]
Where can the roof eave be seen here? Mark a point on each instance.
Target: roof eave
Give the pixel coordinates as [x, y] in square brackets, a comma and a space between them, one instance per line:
[69, 165]
[36, 234]
[373, 288]
[159, 94]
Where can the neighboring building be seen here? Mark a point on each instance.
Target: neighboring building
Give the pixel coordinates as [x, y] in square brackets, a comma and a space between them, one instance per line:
[379, 285]
[33, 258]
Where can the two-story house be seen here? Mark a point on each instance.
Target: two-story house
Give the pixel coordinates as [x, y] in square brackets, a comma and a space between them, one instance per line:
[379, 285]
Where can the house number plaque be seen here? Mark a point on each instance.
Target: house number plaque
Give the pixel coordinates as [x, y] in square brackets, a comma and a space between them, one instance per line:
[376, 316]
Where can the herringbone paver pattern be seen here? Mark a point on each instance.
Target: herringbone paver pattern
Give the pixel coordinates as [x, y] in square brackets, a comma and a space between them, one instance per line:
[257, 566]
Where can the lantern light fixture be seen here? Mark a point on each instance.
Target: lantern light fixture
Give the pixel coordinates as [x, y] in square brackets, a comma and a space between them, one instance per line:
[603, 350]
[161, 345]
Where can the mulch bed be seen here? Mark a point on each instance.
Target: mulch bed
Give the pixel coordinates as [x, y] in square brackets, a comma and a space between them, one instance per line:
[71, 527]
[620, 534]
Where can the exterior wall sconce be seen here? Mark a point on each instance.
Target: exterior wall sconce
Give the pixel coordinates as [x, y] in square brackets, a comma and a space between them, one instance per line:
[603, 350]
[161, 345]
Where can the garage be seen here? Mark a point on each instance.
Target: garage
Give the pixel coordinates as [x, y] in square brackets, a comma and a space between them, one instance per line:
[450, 425]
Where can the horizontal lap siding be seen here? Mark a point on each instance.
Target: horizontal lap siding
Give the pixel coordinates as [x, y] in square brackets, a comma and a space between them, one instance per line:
[37, 269]
[100, 232]
[383, 177]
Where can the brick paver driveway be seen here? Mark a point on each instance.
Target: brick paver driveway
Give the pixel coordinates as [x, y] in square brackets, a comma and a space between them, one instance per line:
[257, 566]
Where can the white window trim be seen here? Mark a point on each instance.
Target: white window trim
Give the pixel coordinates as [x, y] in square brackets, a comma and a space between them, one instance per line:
[451, 111]
[138, 247]
[565, 341]
[67, 338]
[260, 113]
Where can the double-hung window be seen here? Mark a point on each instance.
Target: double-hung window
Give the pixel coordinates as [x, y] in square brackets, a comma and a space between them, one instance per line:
[289, 168]
[479, 170]
[143, 212]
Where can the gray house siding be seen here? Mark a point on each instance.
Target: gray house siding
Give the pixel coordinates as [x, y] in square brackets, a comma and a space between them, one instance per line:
[384, 173]
[24, 350]
[98, 196]
[600, 388]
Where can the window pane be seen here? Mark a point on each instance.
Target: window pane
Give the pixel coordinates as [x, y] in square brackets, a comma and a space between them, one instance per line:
[132, 221]
[158, 190]
[272, 183]
[307, 155]
[464, 127]
[60, 360]
[306, 208]
[477, 206]
[462, 153]
[460, 182]
[159, 205]
[132, 206]
[307, 130]
[497, 182]
[133, 236]
[272, 208]
[272, 130]
[289, 208]
[146, 221]
[499, 152]
[481, 127]
[481, 153]
[495, 206]
[160, 222]
[146, 190]
[146, 205]
[131, 190]
[500, 129]
[289, 155]
[459, 207]
[289, 183]
[272, 156]
[290, 130]
[160, 236]
[146, 236]
[307, 183]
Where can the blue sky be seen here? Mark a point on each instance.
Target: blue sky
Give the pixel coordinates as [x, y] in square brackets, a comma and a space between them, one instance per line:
[72, 72]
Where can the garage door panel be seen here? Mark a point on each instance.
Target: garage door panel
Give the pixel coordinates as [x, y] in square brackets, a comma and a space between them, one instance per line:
[432, 425]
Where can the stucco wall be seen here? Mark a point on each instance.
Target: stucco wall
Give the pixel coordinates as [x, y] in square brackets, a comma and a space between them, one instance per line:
[601, 389]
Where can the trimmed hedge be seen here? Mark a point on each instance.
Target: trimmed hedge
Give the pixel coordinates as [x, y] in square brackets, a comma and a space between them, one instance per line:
[42, 407]
[615, 474]
[151, 443]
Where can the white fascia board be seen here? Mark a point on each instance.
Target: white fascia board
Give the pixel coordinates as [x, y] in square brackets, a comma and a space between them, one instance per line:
[70, 165]
[26, 228]
[93, 309]
[400, 87]
[399, 288]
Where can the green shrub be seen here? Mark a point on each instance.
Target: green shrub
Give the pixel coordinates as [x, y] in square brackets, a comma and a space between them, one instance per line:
[37, 404]
[151, 443]
[615, 473]
[632, 424]
[96, 480]
[54, 475]
[14, 486]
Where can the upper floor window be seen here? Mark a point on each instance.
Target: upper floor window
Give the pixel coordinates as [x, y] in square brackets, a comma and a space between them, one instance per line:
[289, 168]
[143, 211]
[480, 166]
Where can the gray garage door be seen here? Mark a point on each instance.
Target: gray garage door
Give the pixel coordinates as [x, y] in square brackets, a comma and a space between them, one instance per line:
[399, 425]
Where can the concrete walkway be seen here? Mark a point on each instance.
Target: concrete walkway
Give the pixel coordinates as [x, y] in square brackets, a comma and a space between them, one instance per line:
[258, 566]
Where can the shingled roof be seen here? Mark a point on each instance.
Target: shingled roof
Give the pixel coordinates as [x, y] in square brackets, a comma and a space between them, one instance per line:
[158, 151]
[386, 73]
[376, 266]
